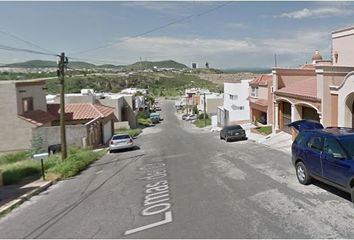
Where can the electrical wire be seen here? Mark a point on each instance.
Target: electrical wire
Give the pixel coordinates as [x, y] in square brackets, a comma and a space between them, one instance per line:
[156, 29]
[25, 41]
[15, 49]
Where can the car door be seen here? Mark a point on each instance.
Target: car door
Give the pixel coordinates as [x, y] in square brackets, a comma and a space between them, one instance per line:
[313, 151]
[335, 164]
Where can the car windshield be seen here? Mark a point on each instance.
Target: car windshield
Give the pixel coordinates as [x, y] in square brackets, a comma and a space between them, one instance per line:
[120, 137]
[348, 144]
[237, 127]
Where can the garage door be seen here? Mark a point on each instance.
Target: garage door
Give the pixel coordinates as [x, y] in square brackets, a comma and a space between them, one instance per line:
[310, 114]
[107, 131]
[286, 117]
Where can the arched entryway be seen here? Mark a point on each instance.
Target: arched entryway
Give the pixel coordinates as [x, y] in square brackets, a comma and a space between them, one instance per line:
[310, 113]
[349, 110]
[284, 116]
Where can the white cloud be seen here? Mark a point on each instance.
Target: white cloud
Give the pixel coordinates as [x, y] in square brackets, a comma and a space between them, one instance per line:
[228, 52]
[323, 12]
[235, 25]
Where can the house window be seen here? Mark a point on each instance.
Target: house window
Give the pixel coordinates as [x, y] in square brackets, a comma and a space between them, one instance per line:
[233, 97]
[240, 107]
[27, 104]
[254, 91]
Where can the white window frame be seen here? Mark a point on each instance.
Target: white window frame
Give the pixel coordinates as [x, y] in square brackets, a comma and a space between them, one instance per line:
[254, 91]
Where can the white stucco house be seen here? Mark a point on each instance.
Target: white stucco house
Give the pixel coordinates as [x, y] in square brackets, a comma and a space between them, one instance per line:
[236, 106]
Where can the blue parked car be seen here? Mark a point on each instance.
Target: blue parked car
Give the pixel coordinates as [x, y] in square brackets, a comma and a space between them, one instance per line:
[325, 154]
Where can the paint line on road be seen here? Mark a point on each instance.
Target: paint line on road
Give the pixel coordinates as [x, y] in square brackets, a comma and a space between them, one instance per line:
[168, 219]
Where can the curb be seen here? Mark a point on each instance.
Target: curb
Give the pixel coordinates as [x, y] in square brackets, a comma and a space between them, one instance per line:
[16, 202]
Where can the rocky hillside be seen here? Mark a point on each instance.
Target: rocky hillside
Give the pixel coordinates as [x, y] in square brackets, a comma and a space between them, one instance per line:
[227, 77]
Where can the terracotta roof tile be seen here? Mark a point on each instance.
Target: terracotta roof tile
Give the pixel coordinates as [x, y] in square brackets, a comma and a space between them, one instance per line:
[82, 111]
[37, 117]
[261, 80]
[304, 88]
[262, 102]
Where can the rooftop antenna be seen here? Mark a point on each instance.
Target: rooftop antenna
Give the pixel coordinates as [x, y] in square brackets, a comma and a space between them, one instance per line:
[275, 59]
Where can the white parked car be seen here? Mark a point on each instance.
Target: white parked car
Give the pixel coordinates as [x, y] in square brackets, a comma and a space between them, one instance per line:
[191, 117]
[120, 141]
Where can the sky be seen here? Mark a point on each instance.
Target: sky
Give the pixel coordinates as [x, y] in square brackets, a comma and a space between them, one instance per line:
[224, 34]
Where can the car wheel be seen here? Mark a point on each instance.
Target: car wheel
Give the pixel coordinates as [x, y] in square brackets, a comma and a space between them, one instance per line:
[302, 174]
[352, 194]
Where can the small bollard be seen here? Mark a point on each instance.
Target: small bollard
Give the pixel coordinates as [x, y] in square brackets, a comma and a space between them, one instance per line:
[41, 156]
[42, 165]
[1, 182]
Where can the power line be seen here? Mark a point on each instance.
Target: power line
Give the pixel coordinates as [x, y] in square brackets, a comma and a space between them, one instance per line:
[24, 40]
[157, 28]
[15, 49]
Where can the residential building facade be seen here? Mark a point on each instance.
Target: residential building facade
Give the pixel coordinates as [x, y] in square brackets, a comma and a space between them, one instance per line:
[235, 106]
[260, 99]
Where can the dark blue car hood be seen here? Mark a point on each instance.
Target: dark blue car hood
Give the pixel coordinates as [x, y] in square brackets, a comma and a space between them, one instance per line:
[305, 125]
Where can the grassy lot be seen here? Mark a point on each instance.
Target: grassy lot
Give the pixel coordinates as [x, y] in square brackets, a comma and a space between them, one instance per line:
[132, 132]
[265, 130]
[16, 167]
[200, 122]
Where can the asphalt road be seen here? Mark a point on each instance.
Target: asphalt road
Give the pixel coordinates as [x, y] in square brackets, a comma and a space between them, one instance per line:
[184, 182]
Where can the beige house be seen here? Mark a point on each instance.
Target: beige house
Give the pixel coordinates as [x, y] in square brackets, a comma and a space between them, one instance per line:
[322, 91]
[212, 102]
[123, 105]
[260, 99]
[27, 117]
[24, 109]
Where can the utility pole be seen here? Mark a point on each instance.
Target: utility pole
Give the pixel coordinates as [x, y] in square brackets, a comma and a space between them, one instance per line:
[204, 111]
[62, 63]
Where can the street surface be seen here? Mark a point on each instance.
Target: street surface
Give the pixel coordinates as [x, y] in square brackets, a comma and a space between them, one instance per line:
[184, 182]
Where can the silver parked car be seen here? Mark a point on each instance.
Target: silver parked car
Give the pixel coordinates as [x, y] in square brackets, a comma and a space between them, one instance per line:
[120, 141]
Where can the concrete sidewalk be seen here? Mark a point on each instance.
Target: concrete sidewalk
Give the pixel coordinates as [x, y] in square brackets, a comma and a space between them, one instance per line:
[15, 194]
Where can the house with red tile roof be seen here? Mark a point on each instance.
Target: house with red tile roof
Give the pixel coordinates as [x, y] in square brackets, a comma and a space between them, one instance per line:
[26, 116]
[23, 108]
[83, 113]
[294, 96]
[322, 91]
[260, 99]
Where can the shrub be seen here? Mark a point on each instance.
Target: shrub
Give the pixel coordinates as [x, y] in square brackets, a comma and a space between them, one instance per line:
[132, 132]
[15, 172]
[200, 123]
[144, 122]
[142, 115]
[201, 116]
[78, 160]
[14, 157]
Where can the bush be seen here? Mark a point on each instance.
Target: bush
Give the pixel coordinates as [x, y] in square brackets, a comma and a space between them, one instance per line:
[132, 132]
[15, 172]
[75, 163]
[144, 122]
[78, 160]
[14, 157]
[200, 123]
[143, 115]
[201, 116]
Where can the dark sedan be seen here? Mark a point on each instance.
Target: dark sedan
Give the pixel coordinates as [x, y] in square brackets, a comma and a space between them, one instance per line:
[234, 132]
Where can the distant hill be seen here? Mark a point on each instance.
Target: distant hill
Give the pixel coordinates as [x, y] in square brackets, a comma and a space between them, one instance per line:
[80, 65]
[33, 64]
[159, 64]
